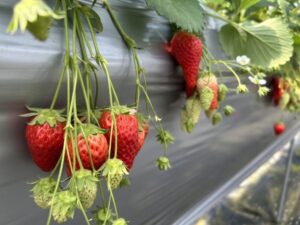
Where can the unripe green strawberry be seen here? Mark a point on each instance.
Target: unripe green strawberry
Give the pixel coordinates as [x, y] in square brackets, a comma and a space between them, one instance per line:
[206, 97]
[119, 221]
[210, 81]
[86, 185]
[114, 170]
[217, 118]
[101, 215]
[228, 110]
[43, 192]
[190, 114]
[222, 92]
[64, 204]
[284, 100]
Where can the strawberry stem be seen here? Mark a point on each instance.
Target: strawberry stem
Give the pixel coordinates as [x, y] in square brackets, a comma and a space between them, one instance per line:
[131, 44]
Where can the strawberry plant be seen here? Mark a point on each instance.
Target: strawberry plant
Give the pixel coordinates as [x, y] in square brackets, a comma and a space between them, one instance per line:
[97, 145]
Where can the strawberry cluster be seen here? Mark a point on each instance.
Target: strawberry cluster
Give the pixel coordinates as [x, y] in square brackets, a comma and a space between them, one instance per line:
[202, 89]
[95, 145]
[286, 96]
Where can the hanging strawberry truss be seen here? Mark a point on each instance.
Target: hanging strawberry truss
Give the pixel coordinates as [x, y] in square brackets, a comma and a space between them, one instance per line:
[96, 145]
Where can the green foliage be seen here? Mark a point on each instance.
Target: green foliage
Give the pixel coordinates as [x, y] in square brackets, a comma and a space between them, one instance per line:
[186, 14]
[267, 44]
[94, 18]
[245, 4]
[283, 5]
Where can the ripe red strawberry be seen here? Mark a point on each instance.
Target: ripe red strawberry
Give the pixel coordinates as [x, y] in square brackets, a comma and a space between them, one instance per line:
[187, 50]
[277, 90]
[127, 128]
[279, 128]
[45, 138]
[94, 141]
[208, 82]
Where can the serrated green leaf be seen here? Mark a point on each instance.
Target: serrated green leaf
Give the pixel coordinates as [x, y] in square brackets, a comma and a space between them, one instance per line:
[283, 5]
[268, 44]
[187, 14]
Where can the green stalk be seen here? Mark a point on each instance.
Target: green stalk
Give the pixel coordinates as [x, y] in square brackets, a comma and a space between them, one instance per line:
[85, 57]
[102, 194]
[132, 46]
[61, 78]
[81, 208]
[58, 178]
[56, 167]
[232, 71]
[75, 74]
[102, 61]
[114, 201]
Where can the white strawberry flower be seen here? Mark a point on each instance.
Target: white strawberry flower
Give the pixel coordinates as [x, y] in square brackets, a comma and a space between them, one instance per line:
[257, 81]
[157, 119]
[132, 111]
[243, 60]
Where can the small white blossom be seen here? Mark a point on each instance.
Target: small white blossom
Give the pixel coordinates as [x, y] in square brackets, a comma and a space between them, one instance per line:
[132, 111]
[257, 81]
[157, 119]
[243, 60]
[262, 82]
[252, 79]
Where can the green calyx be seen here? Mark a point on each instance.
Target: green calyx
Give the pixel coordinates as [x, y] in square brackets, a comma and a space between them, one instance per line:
[86, 184]
[206, 97]
[228, 110]
[222, 92]
[163, 163]
[43, 191]
[42, 116]
[217, 118]
[90, 129]
[241, 89]
[102, 214]
[119, 221]
[121, 109]
[164, 137]
[64, 204]
[113, 171]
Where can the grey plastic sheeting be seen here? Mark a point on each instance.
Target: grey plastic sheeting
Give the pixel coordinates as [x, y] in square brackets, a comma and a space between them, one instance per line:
[201, 162]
